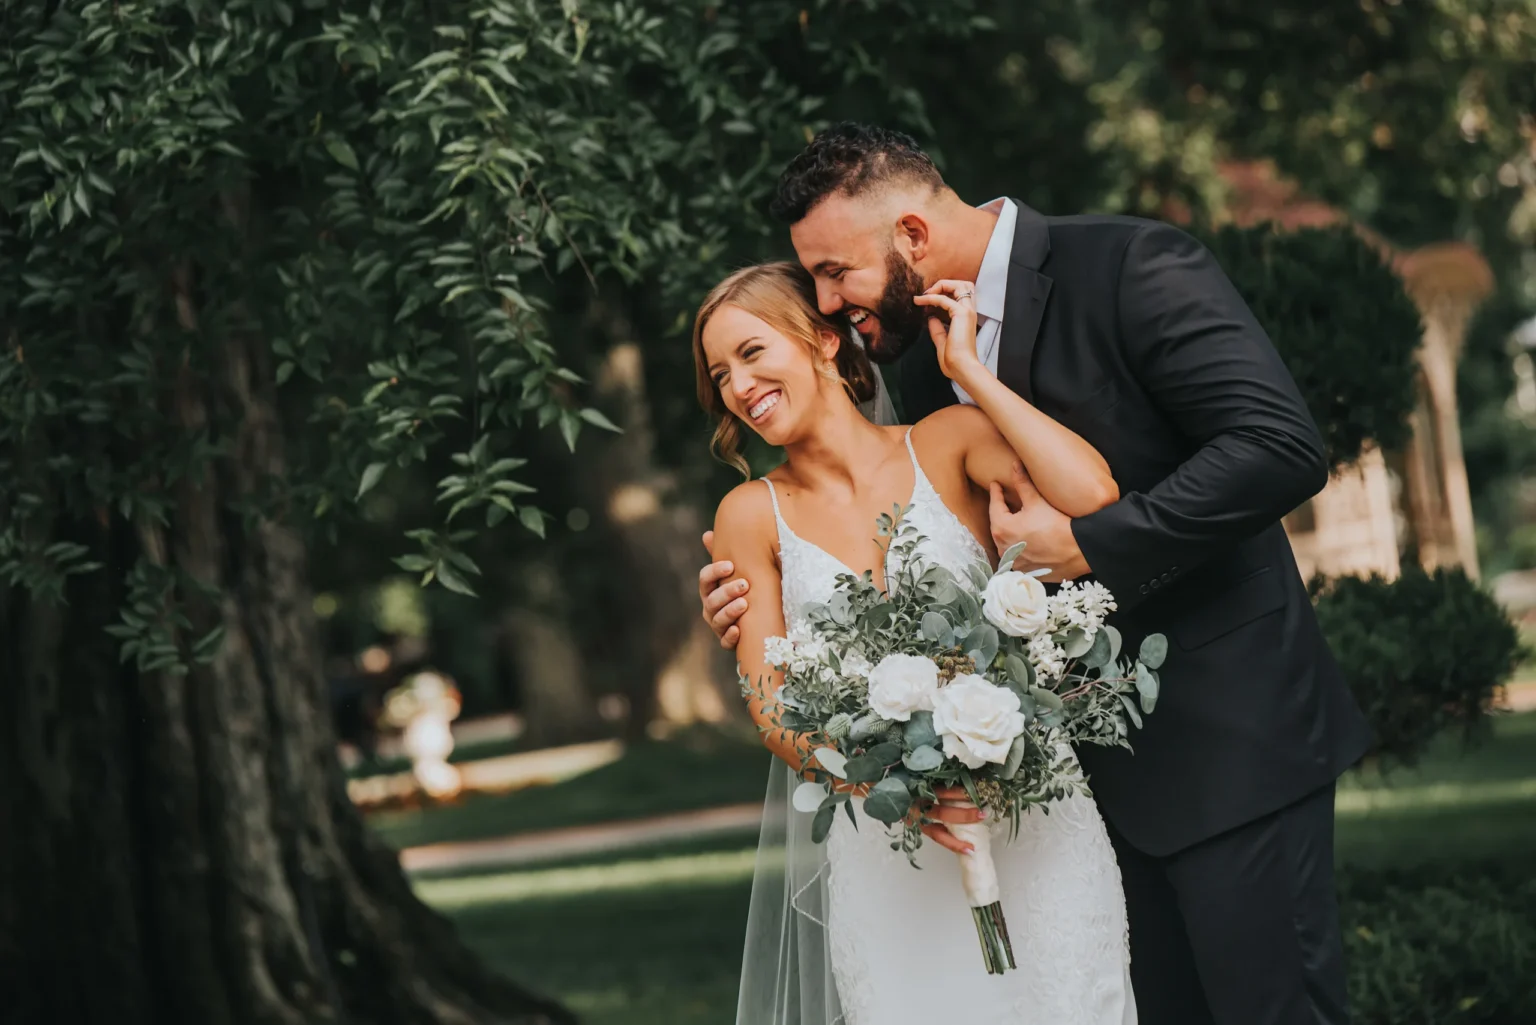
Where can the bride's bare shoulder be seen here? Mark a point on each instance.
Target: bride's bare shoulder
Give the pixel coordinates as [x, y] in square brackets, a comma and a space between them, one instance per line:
[745, 514]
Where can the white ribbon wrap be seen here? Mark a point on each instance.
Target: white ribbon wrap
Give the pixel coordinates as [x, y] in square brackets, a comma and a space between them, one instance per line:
[978, 874]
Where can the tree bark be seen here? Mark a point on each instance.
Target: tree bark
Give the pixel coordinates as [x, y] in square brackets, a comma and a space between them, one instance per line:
[179, 847]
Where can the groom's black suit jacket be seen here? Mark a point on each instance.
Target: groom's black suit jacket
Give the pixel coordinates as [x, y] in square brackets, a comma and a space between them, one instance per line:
[1128, 332]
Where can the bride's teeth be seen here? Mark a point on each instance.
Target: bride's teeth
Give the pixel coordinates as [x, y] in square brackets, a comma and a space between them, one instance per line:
[762, 407]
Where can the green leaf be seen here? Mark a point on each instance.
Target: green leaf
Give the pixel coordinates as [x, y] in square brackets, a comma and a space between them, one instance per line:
[371, 477]
[808, 797]
[1154, 649]
[451, 580]
[1005, 563]
[821, 825]
[342, 153]
[1130, 709]
[935, 628]
[1076, 642]
[832, 760]
[923, 759]
[888, 801]
[1020, 671]
[1015, 758]
[919, 731]
[864, 768]
[1115, 642]
[1146, 687]
[1047, 699]
[597, 419]
[532, 519]
[570, 427]
[414, 563]
[1098, 654]
[886, 753]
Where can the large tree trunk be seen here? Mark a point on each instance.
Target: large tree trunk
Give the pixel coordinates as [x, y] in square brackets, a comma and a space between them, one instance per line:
[180, 847]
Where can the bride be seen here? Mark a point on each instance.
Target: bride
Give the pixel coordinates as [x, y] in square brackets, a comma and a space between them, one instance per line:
[846, 933]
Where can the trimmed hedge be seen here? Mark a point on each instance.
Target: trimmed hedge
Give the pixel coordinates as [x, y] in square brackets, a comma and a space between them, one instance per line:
[1436, 948]
[1421, 653]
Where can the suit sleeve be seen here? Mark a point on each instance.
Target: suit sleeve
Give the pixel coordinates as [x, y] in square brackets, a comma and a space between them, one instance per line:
[1197, 350]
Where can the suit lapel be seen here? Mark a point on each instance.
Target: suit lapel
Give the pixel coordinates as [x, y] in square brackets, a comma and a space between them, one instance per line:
[1024, 307]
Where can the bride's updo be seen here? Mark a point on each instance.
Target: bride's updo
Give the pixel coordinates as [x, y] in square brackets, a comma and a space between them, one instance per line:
[783, 296]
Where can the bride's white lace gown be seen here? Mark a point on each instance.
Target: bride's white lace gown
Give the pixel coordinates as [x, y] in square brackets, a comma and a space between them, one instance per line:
[902, 943]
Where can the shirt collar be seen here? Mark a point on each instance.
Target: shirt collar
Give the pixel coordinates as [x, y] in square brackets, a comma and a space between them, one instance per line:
[992, 279]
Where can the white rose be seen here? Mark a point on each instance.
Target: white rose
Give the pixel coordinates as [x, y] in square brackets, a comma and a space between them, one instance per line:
[902, 684]
[1016, 603]
[977, 720]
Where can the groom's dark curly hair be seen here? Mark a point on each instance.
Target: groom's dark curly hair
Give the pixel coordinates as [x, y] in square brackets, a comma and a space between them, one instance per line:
[849, 158]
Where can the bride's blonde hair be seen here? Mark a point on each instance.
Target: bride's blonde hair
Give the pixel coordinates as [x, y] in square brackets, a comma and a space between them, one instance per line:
[783, 296]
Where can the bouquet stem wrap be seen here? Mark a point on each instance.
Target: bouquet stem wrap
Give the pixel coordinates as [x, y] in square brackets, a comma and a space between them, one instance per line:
[978, 877]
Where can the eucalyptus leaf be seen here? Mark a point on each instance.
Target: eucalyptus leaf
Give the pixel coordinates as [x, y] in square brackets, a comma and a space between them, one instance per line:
[1099, 651]
[821, 825]
[1147, 684]
[864, 768]
[1075, 642]
[833, 761]
[935, 628]
[1005, 563]
[808, 796]
[887, 753]
[923, 759]
[1154, 649]
[919, 731]
[888, 801]
[1015, 758]
[1020, 671]
[1115, 642]
[1046, 699]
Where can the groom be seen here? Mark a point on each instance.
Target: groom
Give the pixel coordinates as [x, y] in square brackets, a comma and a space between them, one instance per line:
[1128, 332]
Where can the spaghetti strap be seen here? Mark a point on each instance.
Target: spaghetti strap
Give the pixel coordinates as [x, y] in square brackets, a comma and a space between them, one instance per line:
[910, 450]
[774, 497]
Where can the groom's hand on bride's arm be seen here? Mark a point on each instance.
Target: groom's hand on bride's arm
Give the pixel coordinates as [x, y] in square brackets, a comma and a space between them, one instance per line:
[722, 598]
[1045, 530]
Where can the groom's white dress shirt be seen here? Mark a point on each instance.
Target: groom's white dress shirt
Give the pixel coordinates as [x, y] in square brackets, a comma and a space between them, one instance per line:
[992, 286]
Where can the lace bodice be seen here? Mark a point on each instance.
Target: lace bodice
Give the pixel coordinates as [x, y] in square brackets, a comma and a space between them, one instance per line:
[810, 572]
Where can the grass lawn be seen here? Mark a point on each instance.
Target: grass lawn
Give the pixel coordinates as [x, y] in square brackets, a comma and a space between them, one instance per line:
[653, 937]
[701, 770]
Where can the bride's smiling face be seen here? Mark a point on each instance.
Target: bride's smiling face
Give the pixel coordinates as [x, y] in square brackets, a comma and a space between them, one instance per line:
[766, 380]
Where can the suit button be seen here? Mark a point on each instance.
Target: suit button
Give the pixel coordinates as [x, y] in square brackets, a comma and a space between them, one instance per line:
[1155, 583]
[1145, 589]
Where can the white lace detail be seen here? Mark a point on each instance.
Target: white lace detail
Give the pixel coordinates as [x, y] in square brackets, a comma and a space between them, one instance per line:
[902, 942]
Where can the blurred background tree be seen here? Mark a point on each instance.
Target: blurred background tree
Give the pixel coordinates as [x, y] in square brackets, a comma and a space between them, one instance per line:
[265, 260]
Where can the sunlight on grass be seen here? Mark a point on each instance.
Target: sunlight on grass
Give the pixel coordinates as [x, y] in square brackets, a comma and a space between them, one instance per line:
[648, 873]
[1435, 797]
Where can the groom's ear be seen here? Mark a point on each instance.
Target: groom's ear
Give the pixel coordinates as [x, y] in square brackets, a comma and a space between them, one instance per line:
[912, 236]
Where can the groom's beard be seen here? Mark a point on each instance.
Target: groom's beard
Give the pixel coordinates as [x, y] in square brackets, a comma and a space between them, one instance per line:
[902, 322]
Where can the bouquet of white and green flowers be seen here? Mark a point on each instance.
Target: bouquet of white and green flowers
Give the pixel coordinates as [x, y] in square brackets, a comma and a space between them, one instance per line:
[980, 683]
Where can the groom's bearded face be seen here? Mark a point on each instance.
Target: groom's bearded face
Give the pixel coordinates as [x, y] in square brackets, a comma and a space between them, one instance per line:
[901, 321]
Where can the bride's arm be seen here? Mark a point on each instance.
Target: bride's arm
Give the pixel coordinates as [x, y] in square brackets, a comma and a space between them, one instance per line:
[1069, 473]
[744, 534]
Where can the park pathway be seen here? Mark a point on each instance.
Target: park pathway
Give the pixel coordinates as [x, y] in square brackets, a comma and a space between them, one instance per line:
[575, 841]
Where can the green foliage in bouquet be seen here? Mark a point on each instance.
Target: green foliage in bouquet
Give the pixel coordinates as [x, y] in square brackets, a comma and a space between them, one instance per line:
[1073, 685]
[1343, 324]
[1421, 653]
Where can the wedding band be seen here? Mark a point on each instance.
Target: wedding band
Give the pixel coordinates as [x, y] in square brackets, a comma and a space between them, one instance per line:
[963, 295]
